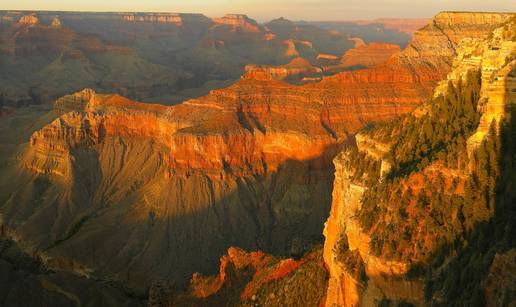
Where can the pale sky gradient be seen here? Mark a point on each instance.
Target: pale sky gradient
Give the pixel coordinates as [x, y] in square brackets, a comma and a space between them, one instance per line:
[264, 10]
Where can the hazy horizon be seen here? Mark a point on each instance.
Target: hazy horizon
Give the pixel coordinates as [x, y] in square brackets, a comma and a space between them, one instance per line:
[264, 10]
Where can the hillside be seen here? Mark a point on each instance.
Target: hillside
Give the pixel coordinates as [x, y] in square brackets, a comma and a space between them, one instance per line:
[248, 165]
[425, 202]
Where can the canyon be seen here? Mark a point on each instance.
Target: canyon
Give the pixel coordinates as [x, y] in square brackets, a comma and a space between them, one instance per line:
[390, 280]
[149, 57]
[141, 194]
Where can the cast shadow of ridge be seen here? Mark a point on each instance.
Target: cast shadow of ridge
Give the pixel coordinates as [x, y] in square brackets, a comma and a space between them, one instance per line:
[461, 272]
[135, 224]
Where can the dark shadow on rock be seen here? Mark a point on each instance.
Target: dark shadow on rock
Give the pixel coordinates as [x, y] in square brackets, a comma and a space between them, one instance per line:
[136, 223]
[459, 271]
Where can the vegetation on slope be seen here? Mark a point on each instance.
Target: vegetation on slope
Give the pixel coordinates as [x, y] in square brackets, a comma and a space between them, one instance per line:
[304, 286]
[351, 259]
[256, 279]
[459, 280]
[447, 215]
[428, 160]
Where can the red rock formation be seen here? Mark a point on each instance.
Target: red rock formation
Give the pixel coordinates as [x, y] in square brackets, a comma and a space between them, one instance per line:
[247, 277]
[235, 260]
[168, 188]
[56, 22]
[238, 22]
[370, 55]
[297, 68]
[291, 48]
[389, 276]
[29, 20]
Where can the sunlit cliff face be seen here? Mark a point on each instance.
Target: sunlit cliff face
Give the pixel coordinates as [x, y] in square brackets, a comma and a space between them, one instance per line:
[492, 56]
[138, 192]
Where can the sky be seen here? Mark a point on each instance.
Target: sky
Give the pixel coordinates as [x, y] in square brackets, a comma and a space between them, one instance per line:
[264, 10]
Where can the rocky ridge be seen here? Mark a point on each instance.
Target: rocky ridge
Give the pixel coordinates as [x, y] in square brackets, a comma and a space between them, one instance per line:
[170, 188]
[27, 281]
[166, 57]
[238, 22]
[369, 55]
[387, 279]
[298, 68]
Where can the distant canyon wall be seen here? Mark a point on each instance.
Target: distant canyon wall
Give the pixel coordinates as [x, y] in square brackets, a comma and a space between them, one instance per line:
[138, 191]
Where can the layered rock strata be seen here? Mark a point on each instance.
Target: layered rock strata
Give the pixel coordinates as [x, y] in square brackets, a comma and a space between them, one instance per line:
[368, 56]
[295, 69]
[238, 22]
[388, 279]
[140, 191]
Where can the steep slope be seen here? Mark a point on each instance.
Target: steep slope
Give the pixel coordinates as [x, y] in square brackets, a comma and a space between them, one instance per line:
[369, 55]
[138, 192]
[250, 279]
[296, 70]
[416, 200]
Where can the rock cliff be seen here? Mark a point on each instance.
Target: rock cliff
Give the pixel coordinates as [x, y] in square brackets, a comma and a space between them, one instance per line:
[27, 281]
[138, 192]
[298, 68]
[166, 57]
[500, 284]
[167, 18]
[368, 56]
[392, 278]
[238, 22]
[253, 278]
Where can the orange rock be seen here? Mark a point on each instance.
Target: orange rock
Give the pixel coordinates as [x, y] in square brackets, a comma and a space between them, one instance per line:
[238, 22]
[370, 55]
[212, 171]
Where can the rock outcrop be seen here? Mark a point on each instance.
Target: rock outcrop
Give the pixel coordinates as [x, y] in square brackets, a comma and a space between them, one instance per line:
[369, 56]
[255, 278]
[298, 68]
[27, 281]
[238, 22]
[167, 18]
[387, 278]
[500, 284]
[56, 22]
[29, 20]
[248, 165]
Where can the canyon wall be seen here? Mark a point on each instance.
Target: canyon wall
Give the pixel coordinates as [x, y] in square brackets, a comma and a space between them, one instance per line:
[165, 57]
[138, 192]
[388, 279]
[369, 55]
